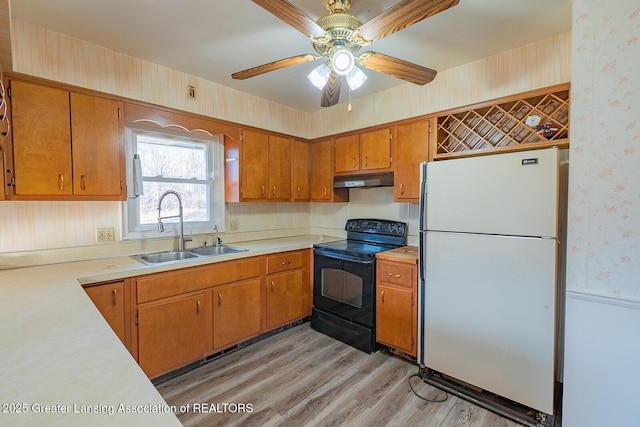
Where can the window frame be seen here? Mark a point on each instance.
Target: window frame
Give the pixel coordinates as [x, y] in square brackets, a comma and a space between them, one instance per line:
[131, 227]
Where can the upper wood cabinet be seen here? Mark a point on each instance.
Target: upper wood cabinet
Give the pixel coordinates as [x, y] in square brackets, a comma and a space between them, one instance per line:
[367, 151]
[65, 145]
[321, 175]
[258, 168]
[300, 171]
[411, 148]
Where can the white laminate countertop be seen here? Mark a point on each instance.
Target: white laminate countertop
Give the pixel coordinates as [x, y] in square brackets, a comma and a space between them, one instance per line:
[60, 362]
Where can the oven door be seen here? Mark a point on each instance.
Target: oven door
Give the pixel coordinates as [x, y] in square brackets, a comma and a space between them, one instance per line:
[344, 286]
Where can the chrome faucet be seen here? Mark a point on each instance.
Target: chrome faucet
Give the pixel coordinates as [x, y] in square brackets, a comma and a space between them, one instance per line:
[181, 239]
[218, 240]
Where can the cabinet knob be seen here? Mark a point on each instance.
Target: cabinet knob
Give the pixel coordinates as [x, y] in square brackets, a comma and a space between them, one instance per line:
[198, 307]
[83, 182]
[114, 294]
[353, 162]
[272, 286]
[298, 191]
[273, 191]
[219, 300]
[383, 297]
[366, 160]
[262, 190]
[61, 181]
[402, 189]
[325, 190]
[286, 262]
[397, 276]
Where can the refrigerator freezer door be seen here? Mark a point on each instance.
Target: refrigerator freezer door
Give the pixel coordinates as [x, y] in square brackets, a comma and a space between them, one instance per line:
[514, 194]
[489, 313]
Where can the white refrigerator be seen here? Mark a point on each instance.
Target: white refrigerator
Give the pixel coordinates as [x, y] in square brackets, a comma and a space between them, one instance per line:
[489, 264]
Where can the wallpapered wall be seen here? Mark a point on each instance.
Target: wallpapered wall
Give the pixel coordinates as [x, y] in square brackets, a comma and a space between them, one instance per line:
[46, 54]
[604, 199]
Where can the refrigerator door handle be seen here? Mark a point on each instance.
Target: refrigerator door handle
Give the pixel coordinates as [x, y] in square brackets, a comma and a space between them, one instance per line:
[423, 194]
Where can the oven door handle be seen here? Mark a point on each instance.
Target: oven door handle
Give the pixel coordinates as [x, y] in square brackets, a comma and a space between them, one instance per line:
[344, 257]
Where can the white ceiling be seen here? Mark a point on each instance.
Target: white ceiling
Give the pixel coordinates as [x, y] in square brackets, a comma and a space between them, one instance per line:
[213, 38]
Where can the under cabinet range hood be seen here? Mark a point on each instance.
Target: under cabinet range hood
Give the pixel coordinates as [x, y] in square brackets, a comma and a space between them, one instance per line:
[360, 181]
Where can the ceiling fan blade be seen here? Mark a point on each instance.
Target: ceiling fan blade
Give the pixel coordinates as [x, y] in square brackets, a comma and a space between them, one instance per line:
[331, 91]
[401, 16]
[395, 67]
[272, 66]
[293, 16]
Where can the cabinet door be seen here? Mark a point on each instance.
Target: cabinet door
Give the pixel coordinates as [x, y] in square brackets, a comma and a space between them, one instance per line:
[255, 154]
[109, 300]
[300, 185]
[394, 318]
[95, 132]
[279, 168]
[411, 148]
[321, 171]
[375, 150]
[284, 298]
[347, 153]
[41, 140]
[236, 313]
[172, 334]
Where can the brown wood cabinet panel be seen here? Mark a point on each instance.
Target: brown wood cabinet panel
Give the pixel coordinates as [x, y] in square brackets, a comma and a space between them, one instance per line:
[255, 169]
[284, 298]
[396, 273]
[284, 261]
[394, 318]
[163, 285]
[347, 153]
[301, 171]
[109, 299]
[321, 171]
[41, 140]
[236, 313]
[279, 168]
[411, 148]
[97, 147]
[375, 150]
[173, 333]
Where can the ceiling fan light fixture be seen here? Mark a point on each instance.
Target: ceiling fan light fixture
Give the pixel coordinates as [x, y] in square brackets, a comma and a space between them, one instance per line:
[342, 61]
[319, 76]
[356, 78]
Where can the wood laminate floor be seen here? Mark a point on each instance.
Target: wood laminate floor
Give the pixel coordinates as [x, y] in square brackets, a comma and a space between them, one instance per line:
[300, 377]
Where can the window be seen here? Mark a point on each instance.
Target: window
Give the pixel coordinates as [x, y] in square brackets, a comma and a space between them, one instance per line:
[167, 160]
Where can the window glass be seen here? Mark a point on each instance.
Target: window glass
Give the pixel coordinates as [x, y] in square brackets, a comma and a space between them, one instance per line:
[190, 166]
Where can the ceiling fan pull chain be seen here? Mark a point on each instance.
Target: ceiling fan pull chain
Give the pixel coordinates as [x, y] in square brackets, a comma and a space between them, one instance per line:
[349, 107]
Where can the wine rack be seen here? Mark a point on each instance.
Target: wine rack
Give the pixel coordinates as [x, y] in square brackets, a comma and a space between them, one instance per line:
[502, 125]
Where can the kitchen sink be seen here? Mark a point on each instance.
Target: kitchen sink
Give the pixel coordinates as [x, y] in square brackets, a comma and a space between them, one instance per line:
[216, 250]
[166, 257]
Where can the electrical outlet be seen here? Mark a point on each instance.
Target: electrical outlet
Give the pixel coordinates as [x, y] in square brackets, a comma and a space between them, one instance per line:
[105, 235]
[233, 225]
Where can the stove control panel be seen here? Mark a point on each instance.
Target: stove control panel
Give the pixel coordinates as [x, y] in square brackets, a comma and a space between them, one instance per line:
[377, 226]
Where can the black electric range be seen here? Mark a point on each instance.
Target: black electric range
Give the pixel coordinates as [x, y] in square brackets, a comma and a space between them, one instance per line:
[345, 278]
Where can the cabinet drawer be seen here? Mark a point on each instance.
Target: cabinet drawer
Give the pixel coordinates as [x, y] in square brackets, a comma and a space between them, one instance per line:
[178, 282]
[284, 261]
[396, 273]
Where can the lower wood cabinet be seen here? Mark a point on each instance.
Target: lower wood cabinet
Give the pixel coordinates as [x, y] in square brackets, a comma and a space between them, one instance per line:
[112, 301]
[396, 303]
[172, 333]
[236, 313]
[184, 315]
[285, 278]
[284, 298]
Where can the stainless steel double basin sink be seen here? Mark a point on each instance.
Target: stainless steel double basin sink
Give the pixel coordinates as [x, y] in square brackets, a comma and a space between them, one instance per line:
[165, 257]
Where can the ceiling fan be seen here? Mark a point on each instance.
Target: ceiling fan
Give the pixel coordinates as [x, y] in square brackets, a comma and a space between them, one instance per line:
[339, 35]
